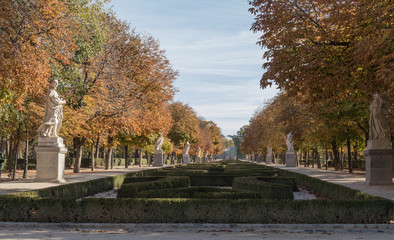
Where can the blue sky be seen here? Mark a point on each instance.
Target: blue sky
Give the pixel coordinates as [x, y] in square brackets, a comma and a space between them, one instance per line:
[210, 44]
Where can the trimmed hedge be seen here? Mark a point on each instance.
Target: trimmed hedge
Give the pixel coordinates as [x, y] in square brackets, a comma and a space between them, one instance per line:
[214, 179]
[334, 191]
[130, 190]
[346, 205]
[267, 189]
[199, 192]
[178, 172]
[194, 211]
[291, 181]
[76, 190]
[141, 179]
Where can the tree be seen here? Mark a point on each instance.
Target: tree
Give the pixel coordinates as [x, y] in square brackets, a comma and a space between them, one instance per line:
[237, 139]
[185, 127]
[326, 49]
[33, 35]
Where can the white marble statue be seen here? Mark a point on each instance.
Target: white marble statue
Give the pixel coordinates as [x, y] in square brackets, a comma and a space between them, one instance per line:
[53, 113]
[269, 151]
[289, 142]
[187, 147]
[199, 152]
[158, 145]
[378, 121]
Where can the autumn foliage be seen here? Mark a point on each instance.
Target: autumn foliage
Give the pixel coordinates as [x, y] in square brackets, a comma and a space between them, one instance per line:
[328, 58]
[118, 84]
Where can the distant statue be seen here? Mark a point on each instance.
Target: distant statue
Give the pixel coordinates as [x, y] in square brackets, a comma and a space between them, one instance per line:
[289, 142]
[269, 151]
[187, 147]
[379, 121]
[53, 113]
[158, 145]
[199, 152]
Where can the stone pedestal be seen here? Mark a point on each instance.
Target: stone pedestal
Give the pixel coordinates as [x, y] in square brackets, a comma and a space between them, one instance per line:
[291, 159]
[158, 160]
[379, 166]
[268, 159]
[258, 158]
[186, 159]
[50, 165]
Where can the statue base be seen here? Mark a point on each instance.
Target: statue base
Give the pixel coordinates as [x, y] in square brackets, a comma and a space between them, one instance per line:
[50, 154]
[258, 159]
[158, 160]
[186, 159]
[268, 159]
[380, 143]
[291, 159]
[379, 166]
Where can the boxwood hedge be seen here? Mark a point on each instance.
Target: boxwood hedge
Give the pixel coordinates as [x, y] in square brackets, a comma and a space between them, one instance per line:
[134, 210]
[58, 204]
[131, 189]
[267, 189]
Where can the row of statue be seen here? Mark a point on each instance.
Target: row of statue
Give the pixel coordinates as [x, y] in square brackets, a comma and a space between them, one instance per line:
[378, 122]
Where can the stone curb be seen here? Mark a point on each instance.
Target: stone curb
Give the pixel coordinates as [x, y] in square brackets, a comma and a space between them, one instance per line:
[189, 227]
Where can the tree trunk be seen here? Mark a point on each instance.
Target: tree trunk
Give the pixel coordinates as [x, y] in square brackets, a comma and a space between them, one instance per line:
[355, 155]
[304, 159]
[108, 156]
[126, 156]
[317, 158]
[92, 156]
[307, 158]
[313, 157]
[173, 158]
[26, 156]
[326, 158]
[349, 154]
[97, 146]
[10, 153]
[298, 159]
[113, 156]
[140, 163]
[341, 157]
[16, 151]
[336, 155]
[147, 155]
[78, 144]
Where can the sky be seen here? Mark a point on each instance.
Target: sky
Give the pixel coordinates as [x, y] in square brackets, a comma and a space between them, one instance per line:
[210, 43]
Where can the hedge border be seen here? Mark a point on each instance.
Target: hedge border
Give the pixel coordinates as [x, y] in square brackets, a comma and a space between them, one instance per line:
[131, 190]
[267, 189]
[194, 211]
[356, 208]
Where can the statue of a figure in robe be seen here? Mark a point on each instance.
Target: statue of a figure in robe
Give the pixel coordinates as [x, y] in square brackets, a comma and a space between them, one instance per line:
[289, 142]
[53, 113]
[379, 121]
[187, 147]
[158, 145]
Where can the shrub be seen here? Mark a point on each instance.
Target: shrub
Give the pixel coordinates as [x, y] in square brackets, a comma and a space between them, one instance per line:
[291, 181]
[130, 190]
[129, 210]
[135, 179]
[199, 192]
[334, 191]
[76, 190]
[267, 189]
